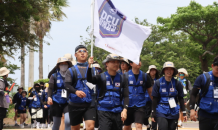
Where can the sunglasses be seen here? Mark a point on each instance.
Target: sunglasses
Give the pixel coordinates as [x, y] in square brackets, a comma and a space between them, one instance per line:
[81, 51]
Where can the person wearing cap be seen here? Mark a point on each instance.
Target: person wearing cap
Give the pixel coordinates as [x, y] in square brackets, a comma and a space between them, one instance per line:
[98, 69]
[139, 83]
[17, 97]
[167, 92]
[3, 95]
[187, 87]
[57, 95]
[207, 83]
[113, 89]
[124, 66]
[36, 105]
[80, 95]
[154, 75]
[70, 58]
[22, 104]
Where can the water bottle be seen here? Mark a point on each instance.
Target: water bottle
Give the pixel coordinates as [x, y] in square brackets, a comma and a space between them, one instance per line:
[7, 98]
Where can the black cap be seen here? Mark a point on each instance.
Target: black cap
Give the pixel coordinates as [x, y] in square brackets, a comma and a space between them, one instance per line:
[215, 61]
[79, 47]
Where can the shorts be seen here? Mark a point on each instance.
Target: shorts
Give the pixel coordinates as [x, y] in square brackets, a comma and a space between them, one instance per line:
[77, 114]
[135, 114]
[37, 113]
[21, 111]
[57, 110]
[109, 121]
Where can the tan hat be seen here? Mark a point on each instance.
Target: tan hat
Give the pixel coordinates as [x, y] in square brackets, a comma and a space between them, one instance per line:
[96, 65]
[70, 57]
[151, 67]
[126, 60]
[63, 59]
[170, 65]
[111, 57]
[4, 71]
[183, 70]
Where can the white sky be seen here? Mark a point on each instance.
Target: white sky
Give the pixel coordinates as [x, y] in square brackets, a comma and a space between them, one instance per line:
[66, 35]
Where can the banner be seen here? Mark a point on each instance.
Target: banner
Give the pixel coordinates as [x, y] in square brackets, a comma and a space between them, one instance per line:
[116, 34]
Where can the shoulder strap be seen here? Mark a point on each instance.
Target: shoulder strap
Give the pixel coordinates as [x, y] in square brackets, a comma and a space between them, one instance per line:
[55, 81]
[103, 88]
[187, 84]
[73, 76]
[207, 85]
[144, 76]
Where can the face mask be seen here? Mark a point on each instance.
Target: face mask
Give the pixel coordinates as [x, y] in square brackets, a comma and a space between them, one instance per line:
[63, 68]
[181, 75]
[37, 88]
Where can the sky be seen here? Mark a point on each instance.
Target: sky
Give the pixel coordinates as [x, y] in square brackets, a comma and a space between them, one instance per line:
[64, 36]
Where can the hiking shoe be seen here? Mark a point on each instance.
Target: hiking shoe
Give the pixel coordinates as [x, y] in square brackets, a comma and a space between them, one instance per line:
[16, 124]
[25, 124]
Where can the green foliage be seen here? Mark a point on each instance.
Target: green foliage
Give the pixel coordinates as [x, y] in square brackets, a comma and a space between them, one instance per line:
[10, 113]
[201, 25]
[42, 80]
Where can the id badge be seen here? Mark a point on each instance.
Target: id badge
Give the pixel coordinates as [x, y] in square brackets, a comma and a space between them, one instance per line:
[90, 85]
[184, 91]
[164, 90]
[64, 93]
[215, 92]
[172, 102]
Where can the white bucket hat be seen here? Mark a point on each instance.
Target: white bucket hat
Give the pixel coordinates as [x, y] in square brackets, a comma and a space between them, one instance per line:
[97, 65]
[111, 57]
[4, 71]
[170, 65]
[183, 70]
[126, 60]
[70, 57]
[151, 67]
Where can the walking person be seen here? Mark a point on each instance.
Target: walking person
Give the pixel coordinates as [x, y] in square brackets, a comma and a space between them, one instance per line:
[113, 89]
[167, 92]
[4, 98]
[124, 66]
[207, 83]
[187, 87]
[22, 106]
[139, 83]
[36, 106]
[57, 95]
[16, 97]
[154, 75]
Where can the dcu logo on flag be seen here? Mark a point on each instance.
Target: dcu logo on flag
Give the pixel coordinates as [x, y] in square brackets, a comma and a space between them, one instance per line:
[110, 20]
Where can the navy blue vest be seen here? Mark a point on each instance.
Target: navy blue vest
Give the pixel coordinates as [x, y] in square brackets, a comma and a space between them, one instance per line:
[36, 104]
[23, 103]
[147, 95]
[112, 98]
[136, 90]
[166, 93]
[80, 85]
[208, 102]
[60, 87]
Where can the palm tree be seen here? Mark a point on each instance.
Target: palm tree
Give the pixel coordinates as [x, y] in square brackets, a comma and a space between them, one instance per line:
[55, 13]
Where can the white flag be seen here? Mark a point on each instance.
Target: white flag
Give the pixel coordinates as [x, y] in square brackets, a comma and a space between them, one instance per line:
[116, 34]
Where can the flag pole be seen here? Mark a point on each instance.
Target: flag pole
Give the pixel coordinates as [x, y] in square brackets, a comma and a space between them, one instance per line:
[92, 25]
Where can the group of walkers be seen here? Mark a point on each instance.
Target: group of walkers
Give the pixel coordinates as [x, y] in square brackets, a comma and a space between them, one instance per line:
[122, 95]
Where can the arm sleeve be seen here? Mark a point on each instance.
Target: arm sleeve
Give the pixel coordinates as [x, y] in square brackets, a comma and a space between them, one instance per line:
[180, 89]
[51, 86]
[193, 96]
[125, 92]
[154, 106]
[93, 79]
[182, 105]
[149, 82]
[68, 83]
[190, 87]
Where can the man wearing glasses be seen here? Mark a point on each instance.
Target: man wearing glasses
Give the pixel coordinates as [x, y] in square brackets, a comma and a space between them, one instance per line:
[80, 95]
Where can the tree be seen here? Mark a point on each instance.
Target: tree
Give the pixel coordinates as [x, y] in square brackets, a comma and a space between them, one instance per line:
[54, 13]
[22, 58]
[201, 25]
